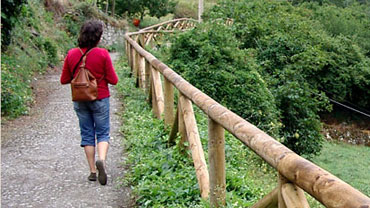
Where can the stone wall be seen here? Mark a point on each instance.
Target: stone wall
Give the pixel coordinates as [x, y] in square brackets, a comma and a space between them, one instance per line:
[112, 35]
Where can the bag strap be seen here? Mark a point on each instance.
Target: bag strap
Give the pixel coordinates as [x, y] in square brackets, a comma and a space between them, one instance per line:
[84, 61]
[82, 57]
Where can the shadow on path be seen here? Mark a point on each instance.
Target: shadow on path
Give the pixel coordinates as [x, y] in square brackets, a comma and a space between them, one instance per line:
[42, 163]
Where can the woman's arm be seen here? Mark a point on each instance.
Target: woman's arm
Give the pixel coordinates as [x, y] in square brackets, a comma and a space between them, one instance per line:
[66, 76]
[110, 73]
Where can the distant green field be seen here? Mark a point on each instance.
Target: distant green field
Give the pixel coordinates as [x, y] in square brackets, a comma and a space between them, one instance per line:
[350, 163]
[184, 8]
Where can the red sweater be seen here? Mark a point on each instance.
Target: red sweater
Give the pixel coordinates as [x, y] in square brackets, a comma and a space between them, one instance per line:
[98, 62]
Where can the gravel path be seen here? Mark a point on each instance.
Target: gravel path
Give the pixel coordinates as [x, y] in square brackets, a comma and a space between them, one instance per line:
[42, 164]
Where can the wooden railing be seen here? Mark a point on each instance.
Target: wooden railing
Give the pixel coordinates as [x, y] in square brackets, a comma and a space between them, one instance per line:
[295, 173]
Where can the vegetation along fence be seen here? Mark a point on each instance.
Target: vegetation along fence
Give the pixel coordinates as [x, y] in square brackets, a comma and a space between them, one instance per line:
[295, 172]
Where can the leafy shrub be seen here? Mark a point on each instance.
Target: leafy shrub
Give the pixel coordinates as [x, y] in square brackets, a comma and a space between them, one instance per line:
[186, 9]
[33, 47]
[209, 58]
[338, 3]
[352, 22]
[163, 176]
[139, 8]
[51, 51]
[300, 63]
[15, 92]
[10, 9]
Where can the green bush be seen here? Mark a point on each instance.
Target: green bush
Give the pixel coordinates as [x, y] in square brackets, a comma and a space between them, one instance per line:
[300, 63]
[186, 9]
[10, 9]
[50, 47]
[15, 92]
[352, 22]
[140, 8]
[33, 47]
[209, 58]
[163, 176]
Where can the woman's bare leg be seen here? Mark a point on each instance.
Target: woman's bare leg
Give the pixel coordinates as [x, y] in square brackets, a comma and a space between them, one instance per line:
[100, 163]
[103, 150]
[90, 155]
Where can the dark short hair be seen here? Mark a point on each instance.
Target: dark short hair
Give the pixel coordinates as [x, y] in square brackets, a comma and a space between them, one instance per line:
[90, 34]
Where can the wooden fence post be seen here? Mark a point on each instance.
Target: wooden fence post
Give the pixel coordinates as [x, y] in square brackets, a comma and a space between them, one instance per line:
[157, 93]
[147, 76]
[216, 158]
[294, 196]
[168, 102]
[268, 201]
[141, 72]
[174, 130]
[127, 45]
[137, 68]
[133, 60]
[195, 146]
[181, 125]
[142, 40]
[281, 181]
[149, 39]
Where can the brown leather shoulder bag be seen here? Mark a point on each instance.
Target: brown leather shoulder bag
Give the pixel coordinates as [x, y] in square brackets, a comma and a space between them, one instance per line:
[84, 86]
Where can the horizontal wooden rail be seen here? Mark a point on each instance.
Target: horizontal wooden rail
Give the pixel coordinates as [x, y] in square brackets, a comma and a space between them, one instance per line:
[168, 22]
[325, 187]
[155, 31]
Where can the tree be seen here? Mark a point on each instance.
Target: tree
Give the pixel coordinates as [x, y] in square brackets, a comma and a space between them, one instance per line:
[200, 10]
[140, 8]
[113, 7]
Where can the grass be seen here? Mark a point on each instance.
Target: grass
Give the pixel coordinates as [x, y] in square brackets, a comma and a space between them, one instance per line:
[163, 176]
[350, 163]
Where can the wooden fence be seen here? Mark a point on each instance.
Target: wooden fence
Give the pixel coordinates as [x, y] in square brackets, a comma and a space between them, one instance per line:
[296, 174]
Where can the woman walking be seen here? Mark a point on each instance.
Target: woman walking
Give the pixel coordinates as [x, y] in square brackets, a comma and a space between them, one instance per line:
[93, 116]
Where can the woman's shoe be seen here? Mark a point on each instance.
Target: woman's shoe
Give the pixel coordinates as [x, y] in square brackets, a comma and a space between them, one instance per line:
[102, 176]
[92, 177]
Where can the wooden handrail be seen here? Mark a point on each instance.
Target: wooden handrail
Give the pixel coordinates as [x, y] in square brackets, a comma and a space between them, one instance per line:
[168, 22]
[322, 185]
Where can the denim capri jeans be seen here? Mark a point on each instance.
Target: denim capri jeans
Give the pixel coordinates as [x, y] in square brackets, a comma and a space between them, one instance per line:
[93, 118]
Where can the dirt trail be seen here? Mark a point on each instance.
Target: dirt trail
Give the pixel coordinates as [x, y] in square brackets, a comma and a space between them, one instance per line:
[42, 164]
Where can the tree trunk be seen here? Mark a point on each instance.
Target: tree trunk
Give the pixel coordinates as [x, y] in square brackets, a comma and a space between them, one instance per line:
[200, 10]
[106, 7]
[113, 7]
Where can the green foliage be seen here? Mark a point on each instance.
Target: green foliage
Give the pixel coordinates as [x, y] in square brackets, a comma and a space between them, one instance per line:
[338, 3]
[300, 63]
[163, 176]
[352, 22]
[74, 20]
[158, 173]
[36, 43]
[82, 11]
[139, 8]
[186, 9]
[10, 9]
[16, 92]
[149, 20]
[209, 58]
[189, 8]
